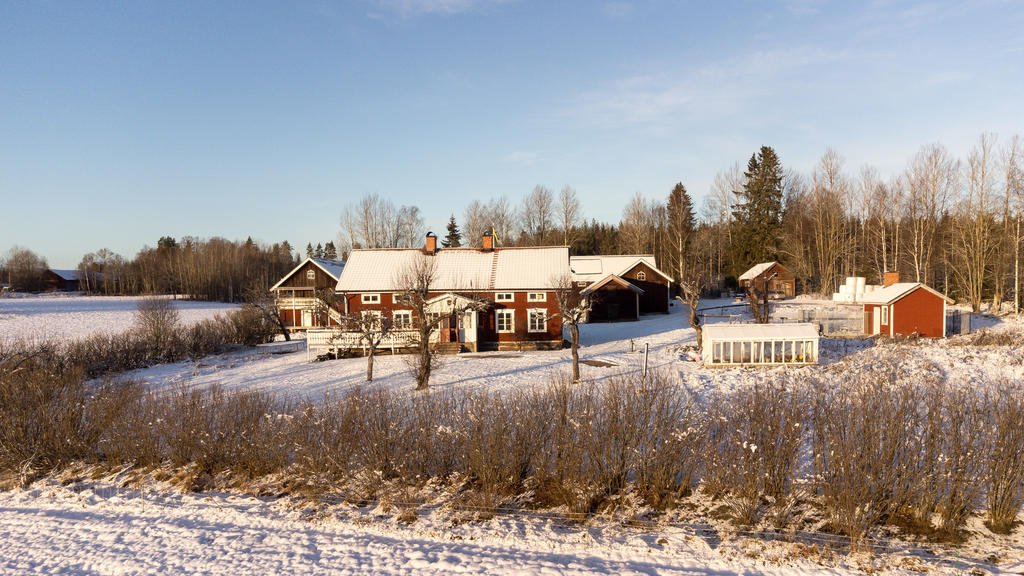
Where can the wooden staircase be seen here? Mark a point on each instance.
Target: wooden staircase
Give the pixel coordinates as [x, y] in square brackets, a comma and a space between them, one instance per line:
[448, 347]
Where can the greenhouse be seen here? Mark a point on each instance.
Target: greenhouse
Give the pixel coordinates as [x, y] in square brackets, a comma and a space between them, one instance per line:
[759, 344]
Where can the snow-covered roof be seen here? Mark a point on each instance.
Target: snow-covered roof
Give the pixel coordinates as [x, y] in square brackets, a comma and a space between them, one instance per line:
[733, 332]
[69, 275]
[894, 292]
[594, 268]
[612, 278]
[331, 267]
[756, 270]
[457, 269]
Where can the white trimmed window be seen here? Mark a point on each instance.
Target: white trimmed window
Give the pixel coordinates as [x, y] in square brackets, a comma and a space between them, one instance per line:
[504, 297]
[538, 320]
[310, 274]
[536, 296]
[373, 316]
[371, 299]
[403, 319]
[641, 275]
[505, 321]
[885, 315]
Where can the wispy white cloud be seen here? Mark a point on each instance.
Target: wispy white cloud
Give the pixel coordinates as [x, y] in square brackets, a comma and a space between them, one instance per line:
[661, 101]
[803, 7]
[617, 10]
[522, 157]
[410, 8]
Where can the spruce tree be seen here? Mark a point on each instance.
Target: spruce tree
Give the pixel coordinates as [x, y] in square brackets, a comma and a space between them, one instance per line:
[330, 252]
[758, 216]
[309, 250]
[681, 225]
[454, 237]
[319, 251]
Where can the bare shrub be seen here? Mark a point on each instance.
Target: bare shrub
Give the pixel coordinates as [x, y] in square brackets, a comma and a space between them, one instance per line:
[859, 445]
[156, 320]
[961, 466]
[1004, 475]
[670, 443]
[128, 414]
[758, 437]
[325, 439]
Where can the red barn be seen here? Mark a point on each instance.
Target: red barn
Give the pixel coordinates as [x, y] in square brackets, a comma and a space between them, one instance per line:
[904, 309]
[621, 287]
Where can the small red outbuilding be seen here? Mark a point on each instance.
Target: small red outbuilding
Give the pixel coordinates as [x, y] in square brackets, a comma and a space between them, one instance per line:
[904, 309]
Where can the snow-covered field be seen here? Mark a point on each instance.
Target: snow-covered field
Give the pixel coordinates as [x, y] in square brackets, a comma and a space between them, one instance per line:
[61, 316]
[99, 528]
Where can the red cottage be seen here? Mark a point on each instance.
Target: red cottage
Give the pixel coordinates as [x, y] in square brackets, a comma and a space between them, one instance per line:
[621, 287]
[904, 309]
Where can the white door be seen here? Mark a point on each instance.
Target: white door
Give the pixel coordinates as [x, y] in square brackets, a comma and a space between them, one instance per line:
[307, 317]
[467, 327]
[876, 325]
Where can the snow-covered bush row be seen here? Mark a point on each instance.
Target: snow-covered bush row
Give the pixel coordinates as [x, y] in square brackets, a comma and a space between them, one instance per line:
[854, 453]
[157, 337]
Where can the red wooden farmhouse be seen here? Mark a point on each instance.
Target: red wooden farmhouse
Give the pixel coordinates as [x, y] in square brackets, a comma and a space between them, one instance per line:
[905, 308]
[300, 294]
[516, 286]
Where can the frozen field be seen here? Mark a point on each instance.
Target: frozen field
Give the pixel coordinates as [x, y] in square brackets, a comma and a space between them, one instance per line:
[50, 317]
[97, 528]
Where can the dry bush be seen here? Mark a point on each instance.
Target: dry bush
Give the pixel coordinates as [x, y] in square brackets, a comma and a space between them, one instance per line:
[757, 436]
[156, 321]
[1004, 474]
[44, 422]
[670, 444]
[128, 414]
[383, 438]
[859, 442]
[325, 439]
[988, 337]
[239, 431]
[436, 420]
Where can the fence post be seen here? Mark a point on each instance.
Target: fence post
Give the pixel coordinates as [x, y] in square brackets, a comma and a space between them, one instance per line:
[647, 350]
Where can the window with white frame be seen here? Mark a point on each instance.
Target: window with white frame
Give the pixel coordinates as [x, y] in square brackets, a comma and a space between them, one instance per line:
[372, 317]
[536, 297]
[403, 319]
[885, 315]
[641, 275]
[538, 320]
[310, 274]
[371, 299]
[504, 321]
[504, 297]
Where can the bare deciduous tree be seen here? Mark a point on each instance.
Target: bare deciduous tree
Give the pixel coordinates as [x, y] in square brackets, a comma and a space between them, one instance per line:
[375, 222]
[692, 288]
[538, 215]
[571, 213]
[372, 326]
[262, 301]
[573, 308]
[828, 194]
[931, 181]
[973, 246]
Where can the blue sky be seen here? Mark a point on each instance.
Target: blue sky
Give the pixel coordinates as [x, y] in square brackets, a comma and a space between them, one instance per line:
[124, 122]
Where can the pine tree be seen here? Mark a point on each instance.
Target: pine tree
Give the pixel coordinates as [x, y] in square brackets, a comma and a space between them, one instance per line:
[330, 252]
[319, 252]
[681, 226]
[454, 237]
[309, 250]
[758, 216]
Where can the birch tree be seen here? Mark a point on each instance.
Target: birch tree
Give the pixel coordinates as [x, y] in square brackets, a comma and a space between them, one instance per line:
[973, 244]
[571, 212]
[930, 181]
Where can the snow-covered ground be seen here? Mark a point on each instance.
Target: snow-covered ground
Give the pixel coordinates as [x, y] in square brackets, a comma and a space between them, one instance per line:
[98, 528]
[62, 316]
[614, 348]
[101, 527]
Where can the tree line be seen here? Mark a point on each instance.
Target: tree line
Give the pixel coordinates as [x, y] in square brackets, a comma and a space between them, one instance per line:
[953, 223]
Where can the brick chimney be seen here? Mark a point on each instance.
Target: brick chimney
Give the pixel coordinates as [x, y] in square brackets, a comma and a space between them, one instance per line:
[431, 245]
[488, 242]
[890, 279]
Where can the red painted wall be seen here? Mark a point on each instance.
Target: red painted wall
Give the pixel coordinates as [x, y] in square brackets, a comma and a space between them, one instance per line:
[486, 331]
[919, 312]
